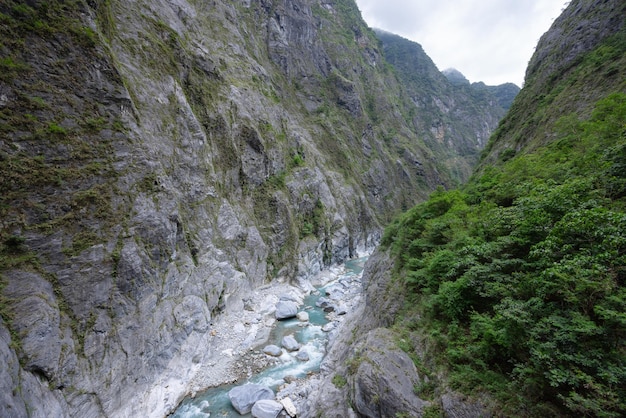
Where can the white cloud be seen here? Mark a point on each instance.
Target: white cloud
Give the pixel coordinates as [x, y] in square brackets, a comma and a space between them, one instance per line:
[487, 40]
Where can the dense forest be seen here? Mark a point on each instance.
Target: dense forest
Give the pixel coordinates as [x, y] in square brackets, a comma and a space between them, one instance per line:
[518, 279]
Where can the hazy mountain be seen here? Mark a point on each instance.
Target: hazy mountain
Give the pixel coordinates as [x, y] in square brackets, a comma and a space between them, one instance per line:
[455, 116]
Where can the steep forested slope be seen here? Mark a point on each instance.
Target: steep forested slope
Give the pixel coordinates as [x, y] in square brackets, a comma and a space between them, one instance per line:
[517, 281]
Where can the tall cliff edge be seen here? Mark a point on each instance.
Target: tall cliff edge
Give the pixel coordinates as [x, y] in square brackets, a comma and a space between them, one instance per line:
[159, 160]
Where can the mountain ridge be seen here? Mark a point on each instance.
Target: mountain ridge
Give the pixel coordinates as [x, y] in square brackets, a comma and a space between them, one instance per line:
[162, 160]
[460, 117]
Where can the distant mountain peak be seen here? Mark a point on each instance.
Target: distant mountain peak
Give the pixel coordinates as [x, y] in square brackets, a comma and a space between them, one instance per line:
[455, 76]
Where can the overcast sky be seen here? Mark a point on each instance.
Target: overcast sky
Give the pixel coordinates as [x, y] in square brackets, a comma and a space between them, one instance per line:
[486, 40]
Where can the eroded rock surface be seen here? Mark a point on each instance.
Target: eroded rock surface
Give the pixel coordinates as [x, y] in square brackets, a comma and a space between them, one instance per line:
[384, 380]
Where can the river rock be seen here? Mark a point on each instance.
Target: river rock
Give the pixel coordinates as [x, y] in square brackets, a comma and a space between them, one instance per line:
[335, 294]
[290, 343]
[288, 297]
[302, 355]
[273, 350]
[266, 408]
[290, 408]
[286, 309]
[303, 316]
[322, 302]
[328, 327]
[244, 397]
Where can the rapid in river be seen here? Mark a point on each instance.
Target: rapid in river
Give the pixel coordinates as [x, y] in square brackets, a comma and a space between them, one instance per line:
[312, 335]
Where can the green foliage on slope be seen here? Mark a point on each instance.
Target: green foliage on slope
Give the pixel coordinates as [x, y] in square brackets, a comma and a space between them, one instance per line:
[543, 100]
[520, 276]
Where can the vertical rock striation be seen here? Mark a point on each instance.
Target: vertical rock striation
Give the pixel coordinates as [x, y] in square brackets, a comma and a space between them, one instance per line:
[162, 159]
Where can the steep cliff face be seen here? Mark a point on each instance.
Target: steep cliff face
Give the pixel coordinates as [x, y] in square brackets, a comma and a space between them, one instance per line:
[456, 118]
[501, 288]
[575, 63]
[162, 159]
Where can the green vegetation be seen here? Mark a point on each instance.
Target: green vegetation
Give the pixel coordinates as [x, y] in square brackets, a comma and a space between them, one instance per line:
[593, 76]
[43, 19]
[519, 277]
[339, 381]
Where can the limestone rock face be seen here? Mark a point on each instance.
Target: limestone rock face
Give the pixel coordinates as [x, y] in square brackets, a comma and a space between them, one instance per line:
[162, 160]
[384, 381]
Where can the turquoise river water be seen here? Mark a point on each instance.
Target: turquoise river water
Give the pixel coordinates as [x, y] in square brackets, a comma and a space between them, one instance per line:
[214, 402]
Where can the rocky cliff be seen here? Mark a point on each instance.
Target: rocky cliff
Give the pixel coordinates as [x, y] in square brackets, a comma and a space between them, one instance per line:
[159, 160]
[566, 73]
[456, 117]
[485, 287]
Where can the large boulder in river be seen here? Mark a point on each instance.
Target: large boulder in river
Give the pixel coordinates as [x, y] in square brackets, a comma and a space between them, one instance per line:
[302, 355]
[273, 350]
[266, 408]
[244, 397]
[286, 309]
[290, 343]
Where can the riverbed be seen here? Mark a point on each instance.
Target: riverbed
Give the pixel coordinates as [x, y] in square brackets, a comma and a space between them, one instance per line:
[340, 291]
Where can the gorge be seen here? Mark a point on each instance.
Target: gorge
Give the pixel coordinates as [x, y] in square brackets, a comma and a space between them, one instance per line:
[161, 160]
[169, 165]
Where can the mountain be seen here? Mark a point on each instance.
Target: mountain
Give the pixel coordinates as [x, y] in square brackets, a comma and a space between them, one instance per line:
[162, 160]
[455, 117]
[455, 77]
[506, 296]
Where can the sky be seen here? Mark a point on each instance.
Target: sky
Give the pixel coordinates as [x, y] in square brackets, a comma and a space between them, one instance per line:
[486, 40]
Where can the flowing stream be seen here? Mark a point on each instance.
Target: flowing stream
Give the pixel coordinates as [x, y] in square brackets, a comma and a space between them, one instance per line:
[214, 402]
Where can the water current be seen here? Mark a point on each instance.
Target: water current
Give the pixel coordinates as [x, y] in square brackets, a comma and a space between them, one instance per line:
[214, 402]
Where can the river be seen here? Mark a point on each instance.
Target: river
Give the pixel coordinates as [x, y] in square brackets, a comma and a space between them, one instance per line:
[214, 402]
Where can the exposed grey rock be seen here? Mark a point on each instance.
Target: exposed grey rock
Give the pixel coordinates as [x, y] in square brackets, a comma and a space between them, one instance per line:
[382, 301]
[456, 405]
[266, 408]
[34, 399]
[289, 297]
[290, 408]
[302, 355]
[36, 318]
[341, 309]
[244, 397]
[289, 379]
[322, 302]
[383, 384]
[335, 293]
[286, 309]
[328, 327]
[192, 314]
[273, 350]
[290, 343]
